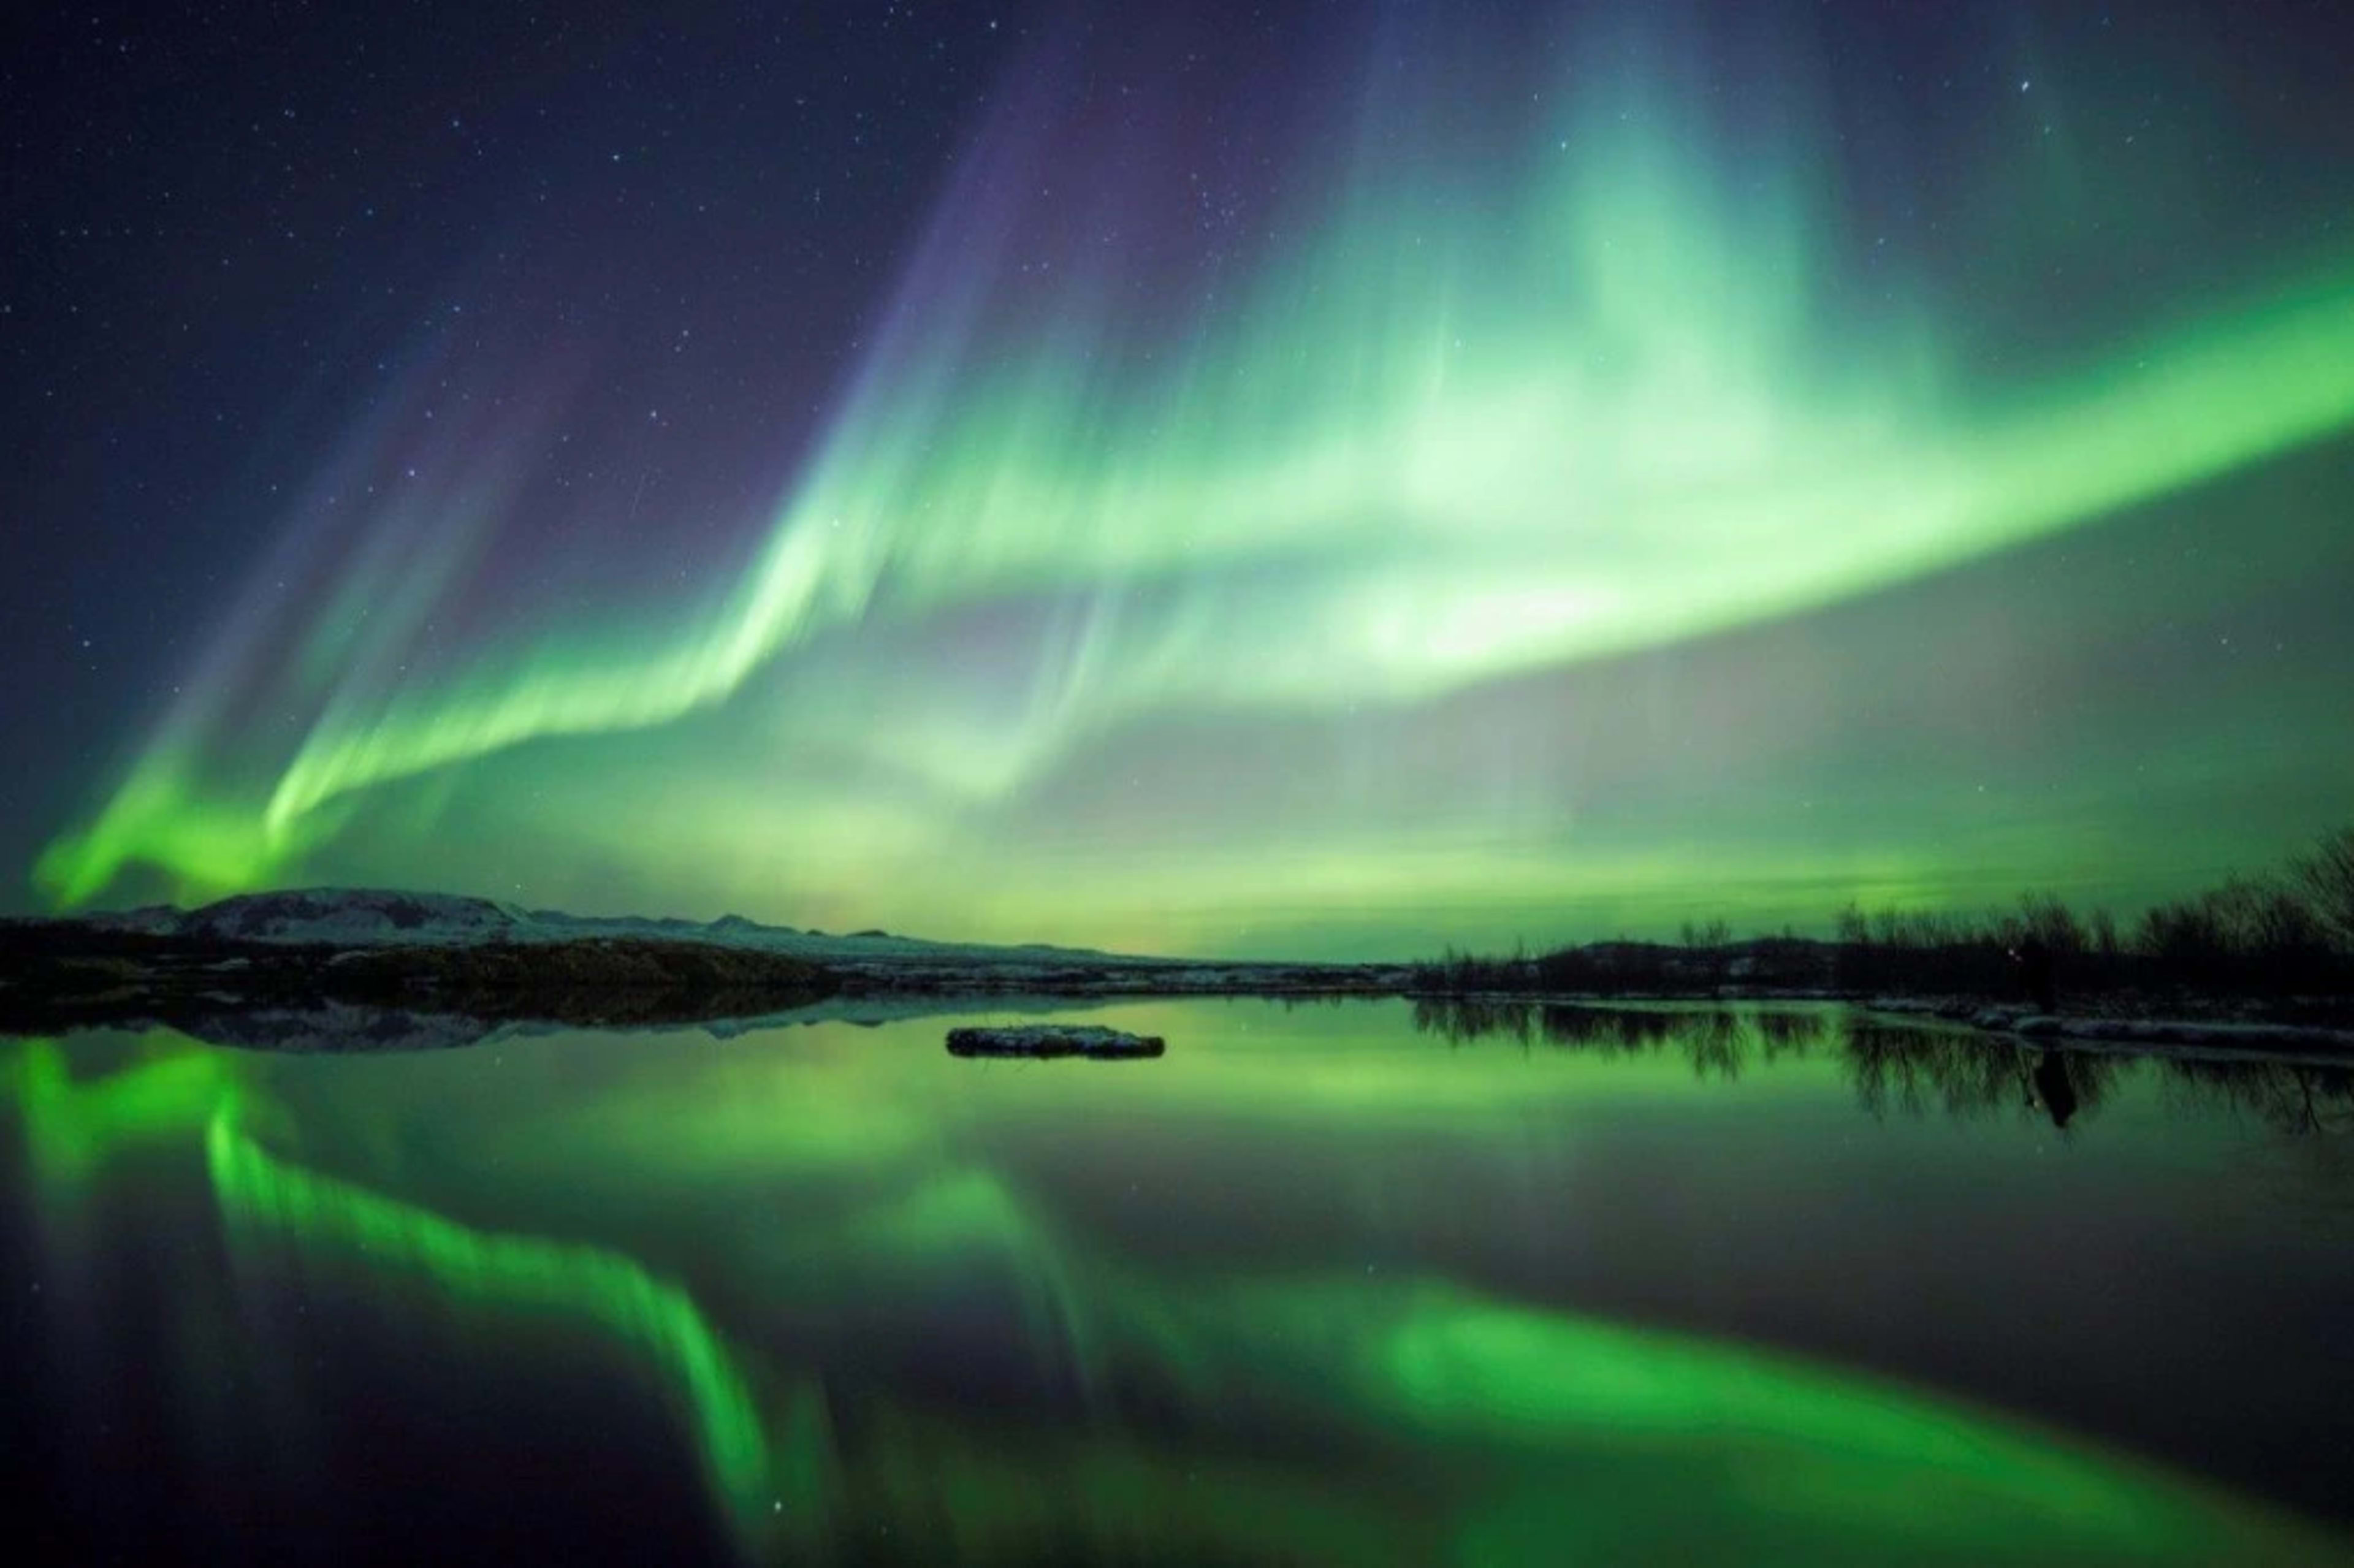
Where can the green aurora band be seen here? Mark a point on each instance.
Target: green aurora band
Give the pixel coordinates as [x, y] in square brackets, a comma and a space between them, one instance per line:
[1433, 442]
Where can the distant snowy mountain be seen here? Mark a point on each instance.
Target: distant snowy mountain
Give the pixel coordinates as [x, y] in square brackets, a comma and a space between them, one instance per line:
[369, 917]
[353, 916]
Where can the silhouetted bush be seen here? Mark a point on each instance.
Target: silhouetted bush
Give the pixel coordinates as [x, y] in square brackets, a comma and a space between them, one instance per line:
[2326, 876]
[2279, 937]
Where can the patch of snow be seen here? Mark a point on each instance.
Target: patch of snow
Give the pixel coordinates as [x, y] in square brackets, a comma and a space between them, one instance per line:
[2142, 1032]
[1053, 1040]
[349, 915]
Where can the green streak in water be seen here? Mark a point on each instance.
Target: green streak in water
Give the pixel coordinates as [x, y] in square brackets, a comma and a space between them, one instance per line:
[525, 1273]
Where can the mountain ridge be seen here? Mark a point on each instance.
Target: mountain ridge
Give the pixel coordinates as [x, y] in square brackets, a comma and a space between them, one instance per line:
[376, 917]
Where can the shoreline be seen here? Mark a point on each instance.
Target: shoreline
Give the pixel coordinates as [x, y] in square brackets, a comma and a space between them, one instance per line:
[373, 971]
[68, 977]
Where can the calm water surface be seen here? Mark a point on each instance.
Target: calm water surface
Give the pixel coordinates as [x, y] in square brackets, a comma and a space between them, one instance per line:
[1347, 1284]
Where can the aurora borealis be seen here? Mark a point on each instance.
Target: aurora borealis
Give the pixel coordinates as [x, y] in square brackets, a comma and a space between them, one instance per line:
[1225, 480]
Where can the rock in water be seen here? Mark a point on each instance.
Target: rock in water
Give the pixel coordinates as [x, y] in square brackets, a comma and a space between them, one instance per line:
[1041, 1039]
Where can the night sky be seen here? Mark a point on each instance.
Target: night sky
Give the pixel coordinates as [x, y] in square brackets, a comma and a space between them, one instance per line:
[1325, 480]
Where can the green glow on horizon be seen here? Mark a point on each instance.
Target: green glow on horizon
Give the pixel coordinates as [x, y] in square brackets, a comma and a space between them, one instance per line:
[1628, 401]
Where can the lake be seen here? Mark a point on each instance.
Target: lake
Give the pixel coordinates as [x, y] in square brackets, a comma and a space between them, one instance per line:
[1360, 1282]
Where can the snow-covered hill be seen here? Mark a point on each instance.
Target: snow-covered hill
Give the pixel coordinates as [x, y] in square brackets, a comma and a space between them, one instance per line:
[348, 916]
[365, 916]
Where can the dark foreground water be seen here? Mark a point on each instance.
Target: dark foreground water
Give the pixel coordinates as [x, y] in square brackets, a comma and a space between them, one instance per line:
[1341, 1285]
